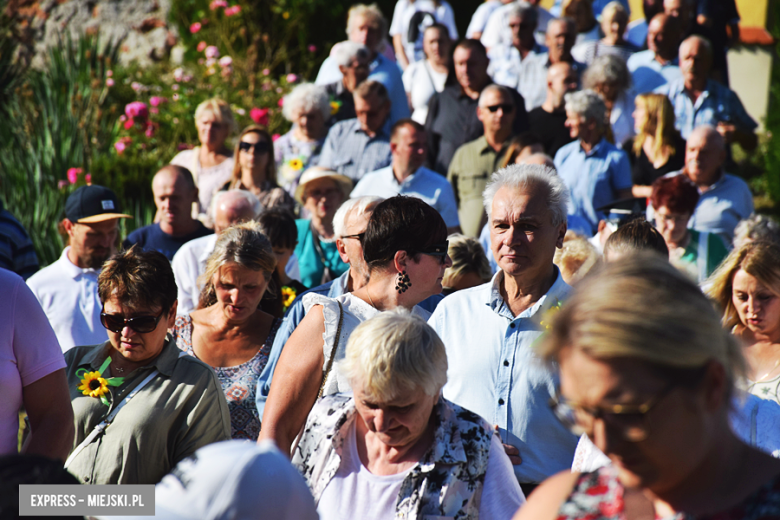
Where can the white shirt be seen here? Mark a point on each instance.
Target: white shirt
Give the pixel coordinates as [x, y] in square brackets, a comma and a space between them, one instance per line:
[69, 297]
[423, 184]
[189, 263]
[402, 16]
[497, 31]
[355, 493]
[481, 16]
[421, 82]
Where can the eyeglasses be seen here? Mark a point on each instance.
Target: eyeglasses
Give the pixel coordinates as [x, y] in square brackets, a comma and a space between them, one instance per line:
[140, 324]
[438, 250]
[629, 420]
[505, 107]
[359, 236]
[259, 147]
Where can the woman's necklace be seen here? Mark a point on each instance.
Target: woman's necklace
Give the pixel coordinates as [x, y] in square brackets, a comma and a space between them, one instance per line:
[371, 299]
[762, 379]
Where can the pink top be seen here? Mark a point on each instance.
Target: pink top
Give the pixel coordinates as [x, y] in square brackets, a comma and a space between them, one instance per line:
[28, 351]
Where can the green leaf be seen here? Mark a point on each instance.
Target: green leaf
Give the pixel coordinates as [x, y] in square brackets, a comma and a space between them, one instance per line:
[115, 381]
[105, 401]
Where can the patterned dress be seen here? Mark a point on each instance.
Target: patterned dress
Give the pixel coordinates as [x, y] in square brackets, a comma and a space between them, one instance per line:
[599, 496]
[239, 382]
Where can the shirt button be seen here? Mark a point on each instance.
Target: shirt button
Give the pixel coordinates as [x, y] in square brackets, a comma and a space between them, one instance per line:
[86, 479]
[501, 401]
[506, 363]
[511, 325]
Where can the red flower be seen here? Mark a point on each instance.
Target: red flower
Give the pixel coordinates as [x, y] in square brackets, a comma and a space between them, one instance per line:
[195, 27]
[73, 174]
[230, 11]
[259, 116]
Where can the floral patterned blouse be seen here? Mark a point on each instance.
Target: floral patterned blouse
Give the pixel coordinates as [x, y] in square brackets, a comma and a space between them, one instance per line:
[599, 496]
[293, 157]
[239, 382]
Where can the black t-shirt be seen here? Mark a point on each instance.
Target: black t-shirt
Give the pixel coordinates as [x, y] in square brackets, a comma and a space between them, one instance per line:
[550, 128]
[643, 173]
[152, 238]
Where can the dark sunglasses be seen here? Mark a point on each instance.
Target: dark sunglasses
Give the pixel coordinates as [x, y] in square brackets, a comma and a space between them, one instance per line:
[259, 147]
[505, 107]
[439, 250]
[140, 324]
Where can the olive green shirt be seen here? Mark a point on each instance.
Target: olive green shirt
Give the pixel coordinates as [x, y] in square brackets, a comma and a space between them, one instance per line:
[182, 409]
[470, 169]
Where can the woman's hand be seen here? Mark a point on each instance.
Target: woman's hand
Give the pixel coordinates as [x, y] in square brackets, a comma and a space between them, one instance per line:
[296, 381]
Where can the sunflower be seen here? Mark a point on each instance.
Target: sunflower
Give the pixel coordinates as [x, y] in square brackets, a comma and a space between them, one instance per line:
[335, 106]
[550, 314]
[93, 385]
[288, 296]
[296, 164]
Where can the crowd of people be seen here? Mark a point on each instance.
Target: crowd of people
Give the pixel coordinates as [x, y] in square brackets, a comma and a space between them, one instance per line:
[475, 271]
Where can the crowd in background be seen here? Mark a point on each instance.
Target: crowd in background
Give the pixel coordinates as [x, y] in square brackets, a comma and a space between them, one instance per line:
[474, 269]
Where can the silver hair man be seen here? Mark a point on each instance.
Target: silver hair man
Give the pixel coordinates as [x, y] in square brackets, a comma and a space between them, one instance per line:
[526, 176]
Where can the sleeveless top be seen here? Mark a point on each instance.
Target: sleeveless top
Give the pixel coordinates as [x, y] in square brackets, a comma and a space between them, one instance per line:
[599, 496]
[356, 311]
[239, 383]
[769, 389]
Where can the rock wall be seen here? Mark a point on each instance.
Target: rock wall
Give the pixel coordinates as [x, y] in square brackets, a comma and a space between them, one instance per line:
[140, 25]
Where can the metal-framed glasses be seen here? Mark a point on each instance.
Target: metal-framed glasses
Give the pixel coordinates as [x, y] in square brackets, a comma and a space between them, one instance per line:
[627, 419]
[140, 324]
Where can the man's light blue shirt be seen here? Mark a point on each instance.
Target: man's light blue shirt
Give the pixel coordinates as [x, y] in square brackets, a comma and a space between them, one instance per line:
[424, 184]
[382, 70]
[494, 372]
[647, 74]
[349, 150]
[293, 318]
[636, 33]
[594, 178]
[717, 103]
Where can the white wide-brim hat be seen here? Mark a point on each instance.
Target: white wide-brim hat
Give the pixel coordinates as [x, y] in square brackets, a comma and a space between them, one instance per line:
[316, 172]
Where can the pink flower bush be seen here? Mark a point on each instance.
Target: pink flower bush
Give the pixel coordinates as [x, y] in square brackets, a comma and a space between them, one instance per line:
[62, 184]
[136, 109]
[202, 45]
[156, 101]
[73, 174]
[259, 116]
[121, 144]
[212, 52]
[225, 61]
[292, 78]
[312, 48]
[109, 73]
[195, 27]
[175, 97]
[216, 4]
[280, 102]
[109, 82]
[230, 11]
[266, 72]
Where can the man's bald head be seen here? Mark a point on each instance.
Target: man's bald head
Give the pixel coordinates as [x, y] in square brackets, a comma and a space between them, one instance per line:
[695, 59]
[705, 152]
[233, 207]
[174, 194]
[175, 172]
[663, 35]
[561, 79]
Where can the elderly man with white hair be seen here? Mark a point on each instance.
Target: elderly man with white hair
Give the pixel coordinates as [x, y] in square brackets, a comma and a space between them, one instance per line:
[596, 172]
[228, 207]
[699, 100]
[353, 61]
[367, 26]
[426, 456]
[489, 330]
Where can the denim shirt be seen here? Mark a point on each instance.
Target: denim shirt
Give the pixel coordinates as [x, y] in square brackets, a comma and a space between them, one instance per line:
[494, 372]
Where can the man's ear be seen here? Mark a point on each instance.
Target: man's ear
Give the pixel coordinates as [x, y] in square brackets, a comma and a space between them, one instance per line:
[561, 235]
[342, 250]
[67, 225]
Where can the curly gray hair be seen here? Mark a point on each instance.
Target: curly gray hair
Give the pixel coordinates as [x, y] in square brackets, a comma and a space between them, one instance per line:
[306, 97]
[607, 69]
[588, 105]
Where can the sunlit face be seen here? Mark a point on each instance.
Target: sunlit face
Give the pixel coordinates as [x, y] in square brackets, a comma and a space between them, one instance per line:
[470, 68]
[640, 117]
[356, 224]
[311, 123]
[615, 25]
[672, 226]
[365, 31]
[94, 243]
[436, 45]
[134, 346]
[371, 113]
[252, 160]
[398, 422]
[322, 197]
[695, 61]
[409, 148]
[211, 131]
[173, 196]
[427, 273]
[574, 123]
[676, 425]
[757, 306]
[239, 291]
[522, 236]
[561, 80]
[496, 111]
[703, 159]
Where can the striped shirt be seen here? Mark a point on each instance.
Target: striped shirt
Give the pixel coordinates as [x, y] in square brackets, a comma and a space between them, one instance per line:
[351, 152]
[17, 253]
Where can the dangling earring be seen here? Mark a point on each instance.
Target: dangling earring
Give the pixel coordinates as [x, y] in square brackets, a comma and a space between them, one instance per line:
[403, 283]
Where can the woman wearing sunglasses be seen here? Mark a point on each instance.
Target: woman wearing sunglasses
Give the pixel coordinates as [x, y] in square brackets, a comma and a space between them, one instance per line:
[405, 248]
[140, 404]
[648, 374]
[255, 169]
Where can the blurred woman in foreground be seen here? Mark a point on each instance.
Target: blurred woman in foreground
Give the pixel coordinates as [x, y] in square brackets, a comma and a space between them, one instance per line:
[648, 374]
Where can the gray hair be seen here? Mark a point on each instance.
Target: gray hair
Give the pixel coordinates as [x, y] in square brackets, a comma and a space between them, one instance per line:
[393, 353]
[236, 199]
[347, 51]
[504, 91]
[306, 97]
[524, 10]
[525, 177]
[704, 43]
[360, 205]
[607, 69]
[588, 105]
[372, 12]
[756, 227]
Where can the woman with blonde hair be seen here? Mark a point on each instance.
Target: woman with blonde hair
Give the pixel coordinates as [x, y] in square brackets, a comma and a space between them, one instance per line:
[469, 267]
[228, 331]
[255, 169]
[212, 162]
[746, 286]
[657, 148]
[648, 374]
